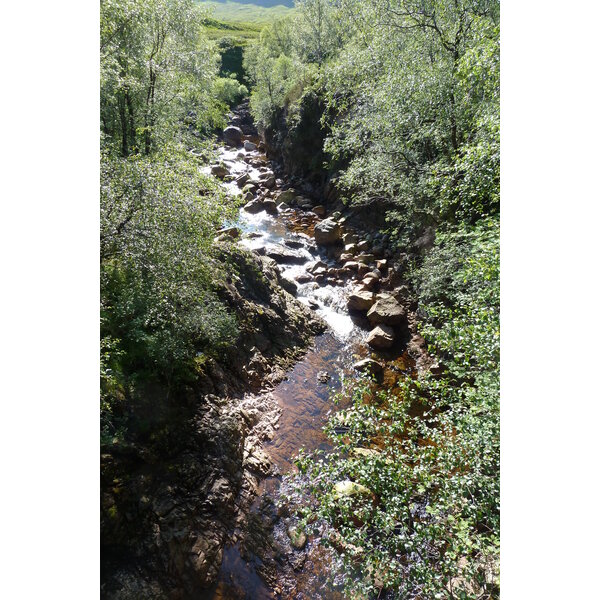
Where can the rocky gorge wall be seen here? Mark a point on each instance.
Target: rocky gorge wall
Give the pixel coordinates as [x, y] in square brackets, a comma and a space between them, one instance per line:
[171, 497]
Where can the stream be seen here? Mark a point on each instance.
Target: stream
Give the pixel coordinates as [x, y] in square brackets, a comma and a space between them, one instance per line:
[304, 395]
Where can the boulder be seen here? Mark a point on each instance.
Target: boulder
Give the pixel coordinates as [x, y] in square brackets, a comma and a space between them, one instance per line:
[360, 300]
[249, 146]
[270, 206]
[369, 281]
[248, 196]
[381, 337]
[319, 210]
[233, 135]
[304, 278]
[387, 310]
[327, 232]
[368, 365]
[242, 179]
[219, 171]
[269, 182]
[289, 286]
[287, 196]
[253, 207]
[297, 537]
[351, 489]
[294, 243]
[318, 264]
[365, 258]
[362, 269]
[232, 232]
[284, 255]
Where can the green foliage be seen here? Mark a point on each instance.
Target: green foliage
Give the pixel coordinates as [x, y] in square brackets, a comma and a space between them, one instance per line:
[155, 67]
[229, 90]
[410, 96]
[428, 450]
[158, 219]
[160, 274]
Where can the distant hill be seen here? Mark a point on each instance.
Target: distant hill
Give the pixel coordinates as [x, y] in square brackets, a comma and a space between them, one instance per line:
[246, 11]
[264, 3]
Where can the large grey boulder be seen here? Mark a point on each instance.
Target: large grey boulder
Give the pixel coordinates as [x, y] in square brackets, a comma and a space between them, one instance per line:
[233, 135]
[254, 206]
[360, 300]
[284, 255]
[327, 232]
[387, 310]
[381, 337]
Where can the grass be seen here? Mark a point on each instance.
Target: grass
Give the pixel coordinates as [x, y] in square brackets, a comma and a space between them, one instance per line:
[240, 31]
[245, 15]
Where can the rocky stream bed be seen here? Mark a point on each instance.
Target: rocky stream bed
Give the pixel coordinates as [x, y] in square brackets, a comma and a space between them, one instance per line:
[323, 299]
[349, 279]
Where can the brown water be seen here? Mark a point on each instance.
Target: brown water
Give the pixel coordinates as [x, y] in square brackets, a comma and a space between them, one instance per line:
[304, 397]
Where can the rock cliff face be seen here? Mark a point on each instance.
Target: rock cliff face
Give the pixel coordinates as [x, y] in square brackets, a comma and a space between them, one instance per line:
[173, 495]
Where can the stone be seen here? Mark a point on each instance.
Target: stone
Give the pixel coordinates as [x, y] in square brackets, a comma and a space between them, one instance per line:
[387, 310]
[283, 255]
[319, 210]
[365, 452]
[362, 269]
[369, 281]
[297, 538]
[249, 146]
[319, 264]
[362, 245]
[327, 232]
[365, 258]
[287, 196]
[350, 248]
[381, 337]
[289, 286]
[232, 232]
[381, 264]
[368, 365]
[304, 278]
[350, 489]
[248, 196]
[294, 243]
[250, 187]
[233, 135]
[270, 206]
[242, 179]
[219, 171]
[283, 206]
[253, 207]
[323, 377]
[360, 300]
[269, 182]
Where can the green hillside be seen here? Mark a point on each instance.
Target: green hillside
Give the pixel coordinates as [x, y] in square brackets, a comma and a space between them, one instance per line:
[240, 12]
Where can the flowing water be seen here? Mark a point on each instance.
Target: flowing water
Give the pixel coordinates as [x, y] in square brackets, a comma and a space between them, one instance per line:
[304, 395]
